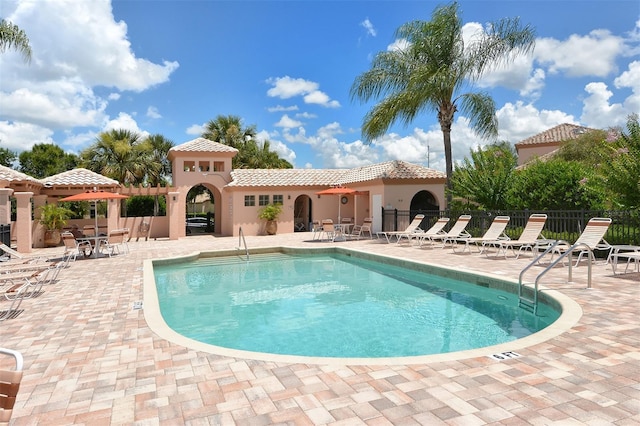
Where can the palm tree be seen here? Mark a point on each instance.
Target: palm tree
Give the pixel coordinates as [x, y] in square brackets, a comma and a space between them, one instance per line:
[430, 73]
[160, 147]
[229, 130]
[122, 155]
[11, 36]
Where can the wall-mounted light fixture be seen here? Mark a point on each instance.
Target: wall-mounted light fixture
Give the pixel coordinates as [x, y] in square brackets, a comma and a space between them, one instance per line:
[288, 197]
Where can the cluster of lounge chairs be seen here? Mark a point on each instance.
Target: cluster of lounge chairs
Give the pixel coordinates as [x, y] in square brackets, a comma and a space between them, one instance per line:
[497, 242]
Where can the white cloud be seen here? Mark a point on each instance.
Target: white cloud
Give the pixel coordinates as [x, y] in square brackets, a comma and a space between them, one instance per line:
[152, 112]
[518, 121]
[280, 108]
[597, 111]
[195, 129]
[368, 25]
[124, 121]
[577, 56]
[287, 87]
[77, 46]
[287, 122]
[22, 136]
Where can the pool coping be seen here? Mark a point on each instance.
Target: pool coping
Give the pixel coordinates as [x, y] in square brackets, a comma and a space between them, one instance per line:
[570, 314]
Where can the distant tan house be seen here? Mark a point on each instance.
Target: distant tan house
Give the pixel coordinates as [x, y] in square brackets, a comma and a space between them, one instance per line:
[548, 141]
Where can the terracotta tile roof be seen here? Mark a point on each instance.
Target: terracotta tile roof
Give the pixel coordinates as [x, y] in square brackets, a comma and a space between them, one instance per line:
[7, 174]
[286, 177]
[329, 177]
[202, 145]
[390, 170]
[559, 133]
[78, 177]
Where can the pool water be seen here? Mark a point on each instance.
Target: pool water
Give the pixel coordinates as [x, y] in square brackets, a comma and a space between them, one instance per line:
[334, 305]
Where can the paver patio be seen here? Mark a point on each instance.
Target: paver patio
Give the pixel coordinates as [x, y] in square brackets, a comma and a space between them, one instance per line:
[90, 358]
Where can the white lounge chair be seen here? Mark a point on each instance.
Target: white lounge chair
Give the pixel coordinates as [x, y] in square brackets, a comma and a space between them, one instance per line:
[456, 232]
[527, 240]
[494, 233]
[436, 229]
[589, 240]
[413, 228]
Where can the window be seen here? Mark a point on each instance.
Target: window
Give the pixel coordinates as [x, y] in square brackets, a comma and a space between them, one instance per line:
[218, 166]
[278, 199]
[263, 200]
[249, 200]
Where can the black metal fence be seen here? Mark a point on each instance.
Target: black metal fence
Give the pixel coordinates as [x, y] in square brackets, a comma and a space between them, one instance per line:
[561, 224]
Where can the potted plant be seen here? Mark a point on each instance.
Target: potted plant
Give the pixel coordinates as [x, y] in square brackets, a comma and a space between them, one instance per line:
[270, 213]
[53, 218]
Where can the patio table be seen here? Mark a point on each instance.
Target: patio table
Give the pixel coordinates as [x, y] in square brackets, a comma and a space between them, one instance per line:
[94, 241]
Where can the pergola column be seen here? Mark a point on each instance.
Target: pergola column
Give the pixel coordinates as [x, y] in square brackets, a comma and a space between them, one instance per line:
[23, 221]
[176, 215]
[5, 205]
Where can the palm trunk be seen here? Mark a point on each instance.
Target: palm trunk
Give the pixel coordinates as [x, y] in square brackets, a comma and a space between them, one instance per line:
[445, 117]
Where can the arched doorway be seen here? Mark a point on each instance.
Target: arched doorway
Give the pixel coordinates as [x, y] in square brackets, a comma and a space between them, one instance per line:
[423, 200]
[302, 213]
[201, 210]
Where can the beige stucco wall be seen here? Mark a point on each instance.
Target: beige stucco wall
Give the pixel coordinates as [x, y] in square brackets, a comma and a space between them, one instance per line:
[528, 152]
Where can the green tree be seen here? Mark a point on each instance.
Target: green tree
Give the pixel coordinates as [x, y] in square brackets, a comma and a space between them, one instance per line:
[7, 157]
[622, 169]
[122, 155]
[160, 147]
[431, 72]
[12, 37]
[589, 148]
[46, 160]
[556, 185]
[256, 155]
[229, 130]
[485, 178]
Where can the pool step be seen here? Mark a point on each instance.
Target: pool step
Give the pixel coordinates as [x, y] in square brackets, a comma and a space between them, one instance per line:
[234, 260]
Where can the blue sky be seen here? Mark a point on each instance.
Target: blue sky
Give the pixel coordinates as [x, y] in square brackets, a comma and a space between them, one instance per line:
[169, 66]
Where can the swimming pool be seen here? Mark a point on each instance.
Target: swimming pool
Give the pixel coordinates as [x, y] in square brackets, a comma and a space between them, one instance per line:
[338, 304]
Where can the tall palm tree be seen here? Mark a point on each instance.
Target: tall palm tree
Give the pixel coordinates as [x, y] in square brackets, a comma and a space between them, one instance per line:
[11, 36]
[122, 155]
[431, 72]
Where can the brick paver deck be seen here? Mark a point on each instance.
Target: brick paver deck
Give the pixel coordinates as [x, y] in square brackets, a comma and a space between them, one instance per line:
[90, 358]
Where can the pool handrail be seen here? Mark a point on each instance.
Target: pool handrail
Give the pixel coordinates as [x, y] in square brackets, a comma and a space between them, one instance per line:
[243, 241]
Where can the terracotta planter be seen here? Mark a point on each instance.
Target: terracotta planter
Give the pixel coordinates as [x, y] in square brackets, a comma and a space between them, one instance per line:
[52, 238]
[271, 227]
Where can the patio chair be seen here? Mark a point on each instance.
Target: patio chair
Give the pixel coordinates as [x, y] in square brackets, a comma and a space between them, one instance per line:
[9, 384]
[112, 243]
[89, 231]
[589, 240]
[494, 233]
[328, 229]
[316, 227]
[528, 240]
[413, 228]
[73, 248]
[456, 232]
[359, 230]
